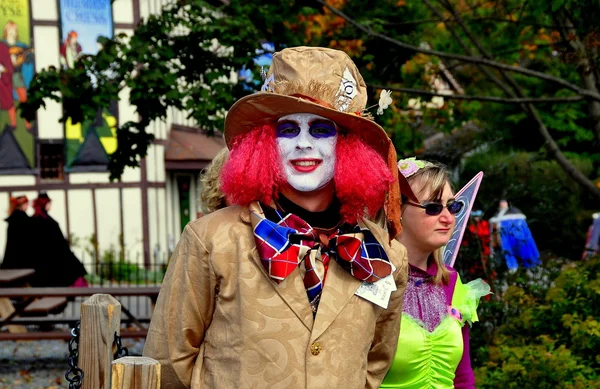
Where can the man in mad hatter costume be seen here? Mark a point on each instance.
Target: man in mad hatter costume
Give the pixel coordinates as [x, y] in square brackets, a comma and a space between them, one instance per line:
[271, 292]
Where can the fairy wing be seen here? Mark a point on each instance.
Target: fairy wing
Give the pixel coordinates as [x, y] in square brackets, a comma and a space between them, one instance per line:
[467, 196]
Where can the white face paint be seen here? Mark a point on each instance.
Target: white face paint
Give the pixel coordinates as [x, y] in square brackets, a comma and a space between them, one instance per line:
[306, 145]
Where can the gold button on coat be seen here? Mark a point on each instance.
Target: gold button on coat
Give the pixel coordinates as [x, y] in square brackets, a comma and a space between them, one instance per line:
[315, 348]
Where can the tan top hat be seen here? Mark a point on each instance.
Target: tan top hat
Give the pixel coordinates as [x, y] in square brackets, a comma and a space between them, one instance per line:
[313, 80]
[323, 82]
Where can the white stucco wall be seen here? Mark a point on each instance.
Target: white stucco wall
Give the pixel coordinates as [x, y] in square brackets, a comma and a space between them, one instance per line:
[81, 222]
[108, 218]
[16, 180]
[132, 221]
[123, 11]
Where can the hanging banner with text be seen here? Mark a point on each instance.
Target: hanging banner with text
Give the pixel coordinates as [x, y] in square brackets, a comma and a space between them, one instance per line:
[17, 139]
[83, 23]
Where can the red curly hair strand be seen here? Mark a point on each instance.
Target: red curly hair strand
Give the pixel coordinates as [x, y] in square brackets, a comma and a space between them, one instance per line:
[254, 172]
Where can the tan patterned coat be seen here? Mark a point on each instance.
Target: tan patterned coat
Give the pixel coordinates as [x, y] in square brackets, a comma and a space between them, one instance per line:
[220, 322]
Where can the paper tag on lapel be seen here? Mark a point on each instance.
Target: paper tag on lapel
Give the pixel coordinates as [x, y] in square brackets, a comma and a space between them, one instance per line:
[379, 292]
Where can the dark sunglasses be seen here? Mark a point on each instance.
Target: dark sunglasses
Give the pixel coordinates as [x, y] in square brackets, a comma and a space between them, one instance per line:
[434, 209]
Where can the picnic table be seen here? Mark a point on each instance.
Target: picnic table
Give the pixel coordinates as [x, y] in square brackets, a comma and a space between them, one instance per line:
[34, 297]
[12, 277]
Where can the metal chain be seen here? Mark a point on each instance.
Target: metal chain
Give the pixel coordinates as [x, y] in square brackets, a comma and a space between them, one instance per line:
[121, 351]
[74, 375]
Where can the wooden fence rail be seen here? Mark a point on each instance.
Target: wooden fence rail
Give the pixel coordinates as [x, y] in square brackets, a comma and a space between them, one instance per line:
[100, 322]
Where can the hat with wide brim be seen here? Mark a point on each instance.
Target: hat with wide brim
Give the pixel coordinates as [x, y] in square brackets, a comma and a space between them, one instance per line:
[263, 107]
[319, 81]
[316, 80]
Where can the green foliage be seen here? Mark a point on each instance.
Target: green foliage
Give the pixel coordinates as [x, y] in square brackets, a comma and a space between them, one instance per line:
[114, 265]
[546, 334]
[541, 365]
[184, 57]
[115, 269]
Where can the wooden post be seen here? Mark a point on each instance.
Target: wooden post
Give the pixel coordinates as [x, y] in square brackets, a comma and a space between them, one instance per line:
[135, 373]
[100, 320]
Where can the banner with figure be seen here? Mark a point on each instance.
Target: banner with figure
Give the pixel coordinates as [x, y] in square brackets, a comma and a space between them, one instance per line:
[17, 139]
[83, 22]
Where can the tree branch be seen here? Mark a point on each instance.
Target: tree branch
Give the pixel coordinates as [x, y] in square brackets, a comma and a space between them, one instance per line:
[549, 142]
[463, 58]
[584, 67]
[539, 46]
[484, 70]
[516, 22]
[493, 99]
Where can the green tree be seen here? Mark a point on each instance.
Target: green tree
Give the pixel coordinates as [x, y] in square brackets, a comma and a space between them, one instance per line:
[183, 58]
[527, 75]
[526, 72]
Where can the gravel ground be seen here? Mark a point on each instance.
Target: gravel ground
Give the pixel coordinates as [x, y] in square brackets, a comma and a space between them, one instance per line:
[41, 364]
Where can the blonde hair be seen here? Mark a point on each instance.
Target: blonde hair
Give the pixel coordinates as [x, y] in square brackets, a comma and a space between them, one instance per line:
[434, 177]
[211, 196]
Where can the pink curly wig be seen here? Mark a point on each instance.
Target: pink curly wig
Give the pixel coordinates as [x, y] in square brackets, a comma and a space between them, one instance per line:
[254, 172]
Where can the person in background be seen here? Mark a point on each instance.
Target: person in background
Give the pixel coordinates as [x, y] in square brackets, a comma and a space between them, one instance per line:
[474, 256]
[17, 253]
[592, 242]
[512, 237]
[211, 196]
[55, 263]
[433, 346]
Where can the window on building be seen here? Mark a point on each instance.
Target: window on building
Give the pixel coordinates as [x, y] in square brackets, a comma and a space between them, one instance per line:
[52, 161]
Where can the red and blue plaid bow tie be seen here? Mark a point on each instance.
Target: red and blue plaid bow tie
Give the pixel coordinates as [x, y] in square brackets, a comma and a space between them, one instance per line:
[283, 241]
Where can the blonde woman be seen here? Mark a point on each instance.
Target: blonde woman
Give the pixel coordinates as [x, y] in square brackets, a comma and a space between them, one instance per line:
[433, 347]
[211, 197]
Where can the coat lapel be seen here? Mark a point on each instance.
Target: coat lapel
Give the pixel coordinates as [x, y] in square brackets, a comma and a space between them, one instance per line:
[291, 290]
[337, 292]
[340, 286]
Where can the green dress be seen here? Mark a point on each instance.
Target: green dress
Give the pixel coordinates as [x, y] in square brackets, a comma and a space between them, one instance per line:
[428, 359]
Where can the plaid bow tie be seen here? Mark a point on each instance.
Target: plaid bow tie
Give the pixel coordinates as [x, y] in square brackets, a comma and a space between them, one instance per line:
[284, 240]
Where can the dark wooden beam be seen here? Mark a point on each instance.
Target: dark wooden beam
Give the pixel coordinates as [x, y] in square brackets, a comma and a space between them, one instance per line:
[145, 227]
[136, 12]
[121, 224]
[65, 185]
[95, 221]
[67, 215]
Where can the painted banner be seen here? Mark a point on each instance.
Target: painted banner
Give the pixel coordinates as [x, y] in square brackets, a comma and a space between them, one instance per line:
[83, 22]
[17, 139]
